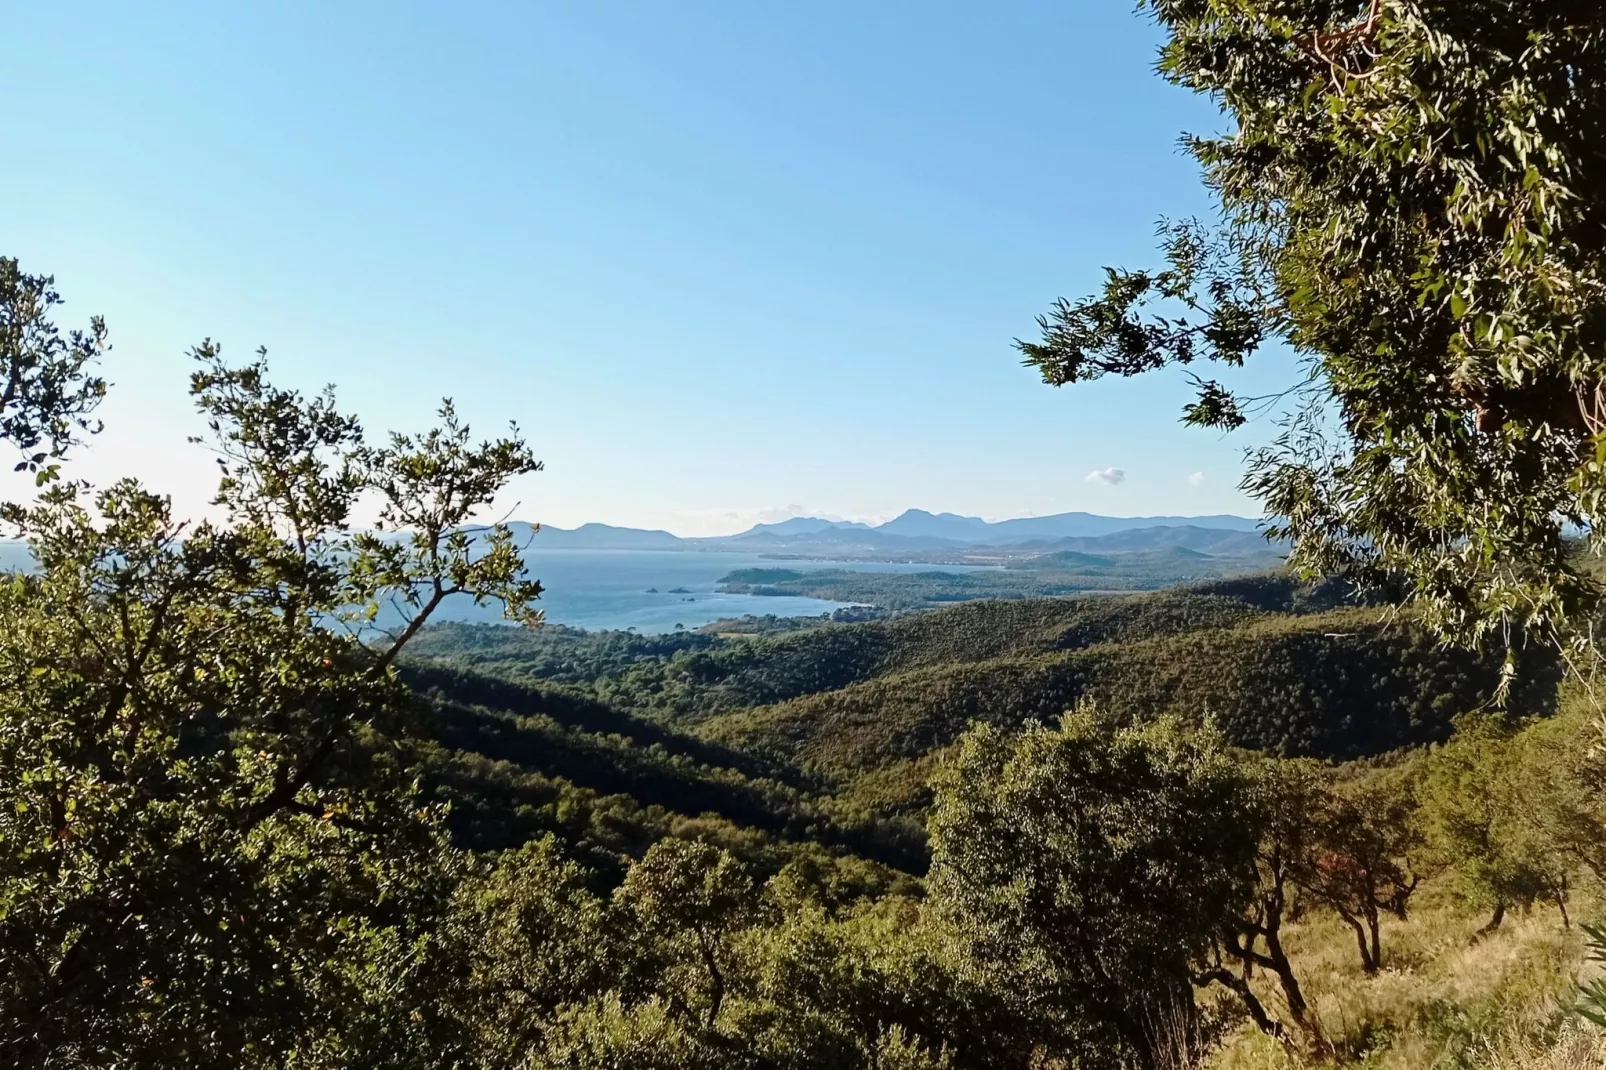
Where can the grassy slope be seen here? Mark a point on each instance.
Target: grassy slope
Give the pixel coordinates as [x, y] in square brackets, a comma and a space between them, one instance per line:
[1443, 998]
[1446, 997]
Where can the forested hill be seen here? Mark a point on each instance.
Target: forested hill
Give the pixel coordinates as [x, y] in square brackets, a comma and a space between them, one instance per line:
[828, 733]
[516, 760]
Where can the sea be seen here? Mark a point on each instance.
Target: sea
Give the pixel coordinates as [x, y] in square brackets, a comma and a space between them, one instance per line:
[622, 589]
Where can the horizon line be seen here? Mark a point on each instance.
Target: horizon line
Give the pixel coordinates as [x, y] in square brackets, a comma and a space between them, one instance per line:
[875, 525]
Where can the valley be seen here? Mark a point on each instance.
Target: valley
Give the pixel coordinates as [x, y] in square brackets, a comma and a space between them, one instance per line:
[852, 716]
[823, 747]
[1283, 749]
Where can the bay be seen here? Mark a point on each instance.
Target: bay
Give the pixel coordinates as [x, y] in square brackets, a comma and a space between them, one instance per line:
[620, 589]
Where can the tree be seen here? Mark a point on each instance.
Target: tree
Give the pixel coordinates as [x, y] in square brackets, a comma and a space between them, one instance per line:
[1563, 772]
[208, 852]
[689, 896]
[605, 1032]
[873, 986]
[48, 395]
[1411, 197]
[1479, 805]
[1366, 837]
[1091, 869]
[526, 939]
[1280, 816]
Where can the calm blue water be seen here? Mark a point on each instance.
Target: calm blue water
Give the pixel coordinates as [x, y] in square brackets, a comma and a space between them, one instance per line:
[608, 588]
[599, 589]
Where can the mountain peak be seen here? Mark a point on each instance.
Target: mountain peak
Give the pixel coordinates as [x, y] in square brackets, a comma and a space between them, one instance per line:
[924, 514]
[917, 529]
[919, 522]
[802, 525]
[970, 529]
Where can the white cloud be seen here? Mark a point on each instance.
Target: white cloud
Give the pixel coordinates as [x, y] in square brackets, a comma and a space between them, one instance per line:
[1197, 479]
[1108, 476]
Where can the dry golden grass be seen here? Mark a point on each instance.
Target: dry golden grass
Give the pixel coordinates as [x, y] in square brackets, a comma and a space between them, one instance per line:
[1573, 1048]
[1444, 999]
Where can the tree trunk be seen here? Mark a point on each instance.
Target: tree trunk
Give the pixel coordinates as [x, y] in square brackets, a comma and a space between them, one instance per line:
[1495, 920]
[1377, 939]
[1298, 1009]
[716, 980]
[1257, 1010]
[1368, 959]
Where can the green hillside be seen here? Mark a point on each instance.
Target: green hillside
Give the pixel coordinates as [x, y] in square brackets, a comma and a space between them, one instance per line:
[830, 732]
[693, 674]
[516, 761]
[1332, 685]
[824, 762]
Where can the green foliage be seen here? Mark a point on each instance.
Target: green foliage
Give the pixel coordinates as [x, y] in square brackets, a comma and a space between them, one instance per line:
[1563, 766]
[528, 936]
[208, 852]
[1368, 853]
[687, 898]
[688, 962]
[770, 624]
[1046, 576]
[606, 1033]
[552, 652]
[830, 733]
[1411, 195]
[872, 986]
[1482, 812]
[517, 760]
[1592, 998]
[49, 396]
[1330, 685]
[690, 675]
[1090, 868]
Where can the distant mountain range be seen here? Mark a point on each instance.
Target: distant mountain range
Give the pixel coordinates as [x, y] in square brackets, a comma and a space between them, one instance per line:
[1217, 542]
[919, 532]
[973, 529]
[596, 537]
[804, 525]
[914, 535]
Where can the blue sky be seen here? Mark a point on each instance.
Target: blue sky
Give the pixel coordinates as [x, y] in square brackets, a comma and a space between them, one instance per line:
[721, 261]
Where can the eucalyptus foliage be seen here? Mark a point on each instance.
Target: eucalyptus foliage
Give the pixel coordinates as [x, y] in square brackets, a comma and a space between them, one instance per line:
[1413, 196]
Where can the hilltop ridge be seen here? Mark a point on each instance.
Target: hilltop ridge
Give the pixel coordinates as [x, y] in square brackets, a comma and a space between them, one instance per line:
[912, 531]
